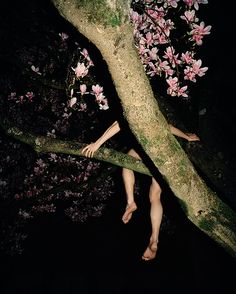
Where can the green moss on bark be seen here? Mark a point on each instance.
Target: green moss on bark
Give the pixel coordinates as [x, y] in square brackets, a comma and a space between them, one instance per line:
[106, 14]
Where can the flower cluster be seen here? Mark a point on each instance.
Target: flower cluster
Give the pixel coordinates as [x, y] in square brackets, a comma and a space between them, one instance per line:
[80, 72]
[62, 178]
[167, 33]
[27, 97]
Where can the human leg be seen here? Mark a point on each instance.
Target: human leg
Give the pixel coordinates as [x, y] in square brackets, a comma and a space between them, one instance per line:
[156, 213]
[129, 181]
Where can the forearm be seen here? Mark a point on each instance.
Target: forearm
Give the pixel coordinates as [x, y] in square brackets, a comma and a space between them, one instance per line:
[111, 131]
[177, 132]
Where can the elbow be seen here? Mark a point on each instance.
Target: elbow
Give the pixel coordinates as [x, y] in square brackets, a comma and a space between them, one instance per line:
[116, 124]
[171, 128]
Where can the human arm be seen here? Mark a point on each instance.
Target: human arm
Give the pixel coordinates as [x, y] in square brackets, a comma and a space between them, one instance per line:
[188, 136]
[111, 131]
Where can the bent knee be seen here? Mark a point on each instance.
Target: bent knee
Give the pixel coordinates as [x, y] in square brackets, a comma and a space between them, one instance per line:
[133, 153]
[156, 186]
[155, 196]
[155, 191]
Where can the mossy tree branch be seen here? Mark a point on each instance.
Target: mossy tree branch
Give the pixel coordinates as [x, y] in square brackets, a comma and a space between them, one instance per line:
[43, 144]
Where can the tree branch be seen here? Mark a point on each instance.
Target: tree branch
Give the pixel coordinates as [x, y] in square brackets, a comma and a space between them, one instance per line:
[43, 144]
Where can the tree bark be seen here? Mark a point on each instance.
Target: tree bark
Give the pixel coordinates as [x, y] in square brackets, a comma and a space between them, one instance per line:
[115, 42]
[42, 144]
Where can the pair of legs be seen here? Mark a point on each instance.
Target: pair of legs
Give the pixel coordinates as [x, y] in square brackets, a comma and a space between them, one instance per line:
[156, 210]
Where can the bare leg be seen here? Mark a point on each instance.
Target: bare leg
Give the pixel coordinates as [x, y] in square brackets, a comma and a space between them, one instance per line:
[129, 181]
[156, 213]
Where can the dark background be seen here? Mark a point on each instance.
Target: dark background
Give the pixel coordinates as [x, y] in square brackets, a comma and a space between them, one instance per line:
[104, 255]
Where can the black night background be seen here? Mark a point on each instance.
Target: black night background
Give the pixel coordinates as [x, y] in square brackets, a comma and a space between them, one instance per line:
[97, 253]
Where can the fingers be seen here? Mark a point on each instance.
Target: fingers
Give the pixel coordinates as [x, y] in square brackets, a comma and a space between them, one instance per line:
[193, 137]
[88, 151]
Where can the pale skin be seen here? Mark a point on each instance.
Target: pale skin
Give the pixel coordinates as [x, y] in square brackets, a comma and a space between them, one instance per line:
[156, 210]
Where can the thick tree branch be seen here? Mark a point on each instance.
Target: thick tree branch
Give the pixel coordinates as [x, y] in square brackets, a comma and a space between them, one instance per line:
[43, 144]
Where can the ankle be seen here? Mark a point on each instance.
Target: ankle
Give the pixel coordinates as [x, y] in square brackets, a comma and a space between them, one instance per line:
[129, 203]
[154, 240]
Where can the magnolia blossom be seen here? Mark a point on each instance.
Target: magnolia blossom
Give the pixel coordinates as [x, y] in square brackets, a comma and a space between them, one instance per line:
[153, 30]
[172, 3]
[35, 69]
[63, 36]
[189, 16]
[85, 53]
[72, 101]
[182, 91]
[199, 31]
[83, 89]
[169, 54]
[100, 98]
[81, 70]
[103, 105]
[197, 69]
[29, 95]
[97, 90]
[174, 88]
[195, 3]
[83, 106]
[190, 72]
[187, 57]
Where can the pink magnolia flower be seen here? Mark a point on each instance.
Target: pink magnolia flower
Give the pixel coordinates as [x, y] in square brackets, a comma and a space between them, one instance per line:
[162, 39]
[199, 31]
[72, 101]
[12, 96]
[189, 74]
[63, 36]
[157, 13]
[83, 107]
[83, 89]
[187, 57]
[135, 17]
[197, 68]
[29, 95]
[197, 39]
[189, 16]
[153, 53]
[167, 26]
[172, 3]
[96, 90]
[81, 70]
[153, 70]
[169, 54]
[85, 53]
[35, 69]
[172, 82]
[149, 39]
[195, 3]
[182, 91]
[103, 105]
[189, 2]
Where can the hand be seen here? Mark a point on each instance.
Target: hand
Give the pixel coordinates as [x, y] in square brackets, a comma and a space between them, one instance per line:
[192, 137]
[89, 150]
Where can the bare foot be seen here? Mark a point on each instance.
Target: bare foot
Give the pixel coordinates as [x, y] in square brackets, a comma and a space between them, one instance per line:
[150, 252]
[130, 208]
